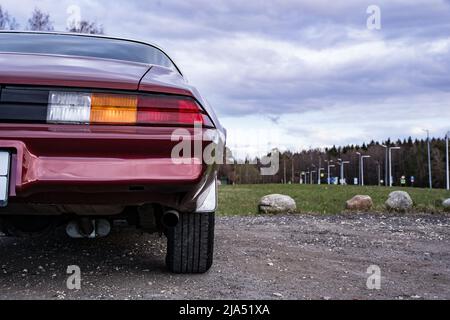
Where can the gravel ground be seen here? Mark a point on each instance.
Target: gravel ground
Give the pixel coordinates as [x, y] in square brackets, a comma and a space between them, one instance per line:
[266, 257]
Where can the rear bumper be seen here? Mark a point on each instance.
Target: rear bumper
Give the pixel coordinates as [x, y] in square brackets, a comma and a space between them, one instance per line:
[71, 164]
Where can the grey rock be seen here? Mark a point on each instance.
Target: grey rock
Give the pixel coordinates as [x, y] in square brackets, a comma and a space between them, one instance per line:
[277, 203]
[446, 204]
[399, 201]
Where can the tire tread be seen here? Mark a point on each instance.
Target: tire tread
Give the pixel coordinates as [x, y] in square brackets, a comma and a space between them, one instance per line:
[190, 244]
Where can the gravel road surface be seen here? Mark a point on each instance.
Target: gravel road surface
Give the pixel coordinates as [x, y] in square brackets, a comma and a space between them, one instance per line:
[265, 257]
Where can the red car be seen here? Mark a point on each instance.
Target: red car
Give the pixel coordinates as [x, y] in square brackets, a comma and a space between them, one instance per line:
[88, 129]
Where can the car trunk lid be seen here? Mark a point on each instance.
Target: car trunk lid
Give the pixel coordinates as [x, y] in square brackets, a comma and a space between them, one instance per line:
[69, 71]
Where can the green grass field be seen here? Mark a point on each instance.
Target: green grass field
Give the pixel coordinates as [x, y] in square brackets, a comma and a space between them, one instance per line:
[243, 199]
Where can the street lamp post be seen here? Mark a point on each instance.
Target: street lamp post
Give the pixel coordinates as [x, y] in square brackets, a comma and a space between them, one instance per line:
[343, 163]
[328, 170]
[386, 160]
[362, 168]
[430, 179]
[318, 175]
[329, 167]
[390, 164]
[319, 170]
[447, 136]
[359, 167]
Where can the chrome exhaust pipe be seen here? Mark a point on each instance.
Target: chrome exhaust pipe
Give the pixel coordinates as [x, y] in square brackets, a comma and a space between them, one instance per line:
[170, 219]
[87, 228]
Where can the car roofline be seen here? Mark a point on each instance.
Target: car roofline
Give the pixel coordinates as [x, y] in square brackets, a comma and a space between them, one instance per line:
[61, 33]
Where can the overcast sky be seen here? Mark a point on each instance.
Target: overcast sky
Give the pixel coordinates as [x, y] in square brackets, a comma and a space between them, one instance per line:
[295, 73]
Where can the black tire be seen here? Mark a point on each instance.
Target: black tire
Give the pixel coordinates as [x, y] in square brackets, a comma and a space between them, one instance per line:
[190, 244]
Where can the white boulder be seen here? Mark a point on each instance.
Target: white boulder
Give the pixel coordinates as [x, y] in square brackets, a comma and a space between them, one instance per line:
[277, 203]
[399, 201]
[446, 204]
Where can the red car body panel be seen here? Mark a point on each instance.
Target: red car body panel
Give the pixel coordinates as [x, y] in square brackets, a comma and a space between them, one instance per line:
[98, 164]
[83, 157]
[167, 80]
[62, 71]
[83, 164]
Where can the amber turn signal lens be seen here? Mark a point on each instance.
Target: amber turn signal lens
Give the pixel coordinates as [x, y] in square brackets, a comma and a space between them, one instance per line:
[113, 109]
[124, 109]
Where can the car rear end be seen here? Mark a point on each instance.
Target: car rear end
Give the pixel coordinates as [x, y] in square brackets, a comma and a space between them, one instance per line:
[82, 147]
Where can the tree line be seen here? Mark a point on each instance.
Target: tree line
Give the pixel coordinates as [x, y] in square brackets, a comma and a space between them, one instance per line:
[41, 21]
[410, 161]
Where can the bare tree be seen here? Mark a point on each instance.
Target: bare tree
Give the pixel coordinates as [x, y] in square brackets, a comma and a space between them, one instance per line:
[85, 26]
[40, 21]
[6, 21]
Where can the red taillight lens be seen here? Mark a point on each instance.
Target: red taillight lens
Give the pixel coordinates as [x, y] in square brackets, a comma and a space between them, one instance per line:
[169, 110]
[124, 109]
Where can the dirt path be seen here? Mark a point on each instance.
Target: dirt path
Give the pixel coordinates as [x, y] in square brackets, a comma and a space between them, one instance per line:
[288, 257]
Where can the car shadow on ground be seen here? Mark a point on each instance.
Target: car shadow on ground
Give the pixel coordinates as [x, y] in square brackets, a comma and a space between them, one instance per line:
[123, 251]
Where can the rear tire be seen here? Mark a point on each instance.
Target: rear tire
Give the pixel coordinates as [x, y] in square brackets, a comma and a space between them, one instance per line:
[190, 244]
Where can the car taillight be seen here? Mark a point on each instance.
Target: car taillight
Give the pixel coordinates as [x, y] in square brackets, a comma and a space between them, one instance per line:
[72, 107]
[68, 107]
[107, 108]
[171, 110]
